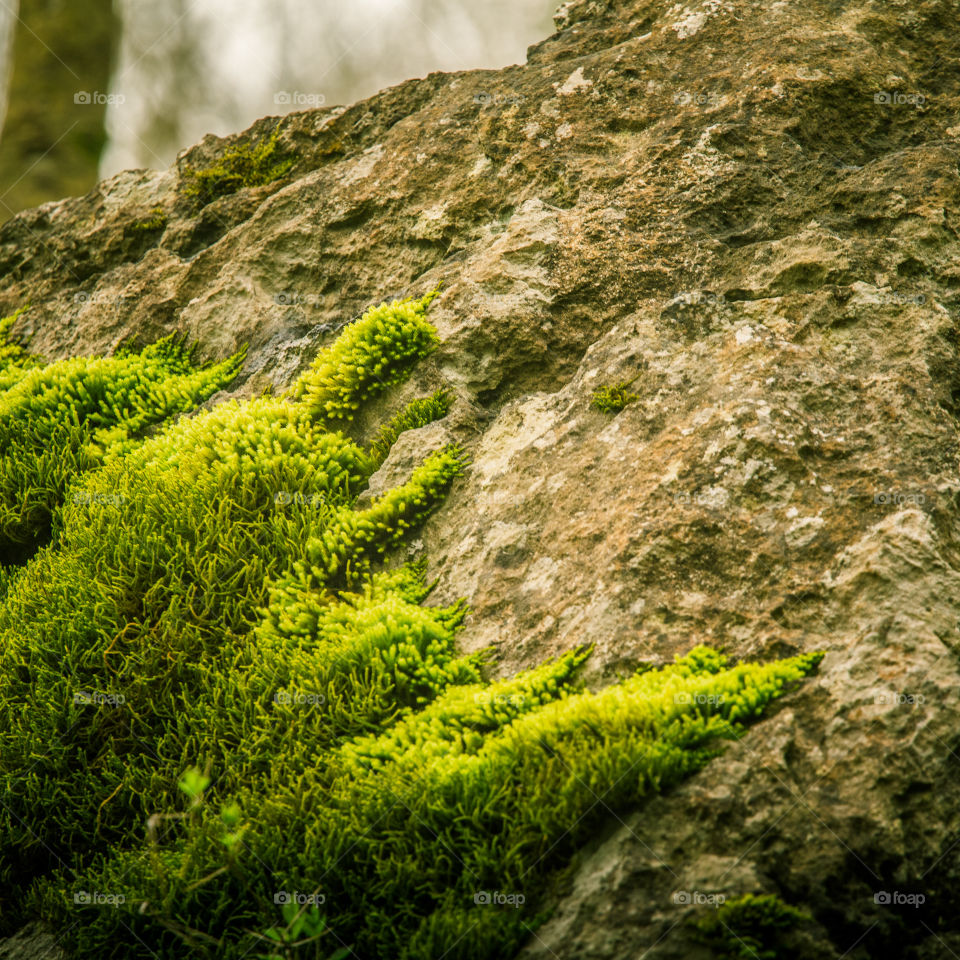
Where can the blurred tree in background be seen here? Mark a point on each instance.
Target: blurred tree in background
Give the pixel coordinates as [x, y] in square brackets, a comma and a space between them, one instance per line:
[59, 67]
[99, 86]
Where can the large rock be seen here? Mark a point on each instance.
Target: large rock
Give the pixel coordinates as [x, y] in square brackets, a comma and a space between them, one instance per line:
[750, 210]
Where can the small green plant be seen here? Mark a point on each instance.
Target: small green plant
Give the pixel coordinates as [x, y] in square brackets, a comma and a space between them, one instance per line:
[750, 927]
[612, 398]
[301, 928]
[237, 167]
[156, 221]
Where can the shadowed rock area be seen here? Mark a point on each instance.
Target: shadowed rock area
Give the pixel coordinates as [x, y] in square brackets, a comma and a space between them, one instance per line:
[751, 210]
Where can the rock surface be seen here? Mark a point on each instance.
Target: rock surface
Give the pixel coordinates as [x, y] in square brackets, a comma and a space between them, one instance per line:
[750, 208]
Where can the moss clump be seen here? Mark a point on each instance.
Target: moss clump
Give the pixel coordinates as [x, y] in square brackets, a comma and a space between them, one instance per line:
[237, 167]
[14, 360]
[751, 927]
[213, 699]
[612, 398]
[163, 560]
[447, 817]
[156, 221]
[61, 420]
[372, 354]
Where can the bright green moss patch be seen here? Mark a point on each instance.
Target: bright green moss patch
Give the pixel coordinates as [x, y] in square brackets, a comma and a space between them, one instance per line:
[410, 840]
[61, 420]
[226, 729]
[371, 355]
[14, 360]
[238, 167]
[751, 927]
[612, 398]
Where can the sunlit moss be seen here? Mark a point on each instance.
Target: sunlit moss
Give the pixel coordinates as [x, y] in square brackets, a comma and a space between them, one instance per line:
[410, 833]
[371, 355]
[61, 420]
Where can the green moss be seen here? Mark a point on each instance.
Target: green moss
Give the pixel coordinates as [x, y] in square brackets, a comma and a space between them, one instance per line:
[213, 695]
[61, 420]
[417, 413]
[415, 834]
[612, 398]
[156, 221]
[751, 927]
[372, 354]
[238, 167]
[14, 360]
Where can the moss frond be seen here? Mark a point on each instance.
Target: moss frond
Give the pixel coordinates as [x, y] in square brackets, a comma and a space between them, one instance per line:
[372, 354]
[417, 413]
[61, 420]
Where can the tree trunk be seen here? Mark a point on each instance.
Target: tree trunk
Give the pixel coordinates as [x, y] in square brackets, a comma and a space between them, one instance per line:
[54, 131]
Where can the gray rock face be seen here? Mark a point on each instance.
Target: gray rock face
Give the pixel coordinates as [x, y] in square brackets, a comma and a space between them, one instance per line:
[752, 210]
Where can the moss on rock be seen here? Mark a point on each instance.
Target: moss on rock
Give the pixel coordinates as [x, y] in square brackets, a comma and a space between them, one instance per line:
[242, 166]
[210, 647]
